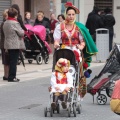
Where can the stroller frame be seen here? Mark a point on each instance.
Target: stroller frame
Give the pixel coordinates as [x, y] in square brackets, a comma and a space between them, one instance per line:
[39, 52]
[73, 104]
[112, 66]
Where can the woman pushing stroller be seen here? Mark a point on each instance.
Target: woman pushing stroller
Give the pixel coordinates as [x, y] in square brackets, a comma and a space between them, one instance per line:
[74, 36]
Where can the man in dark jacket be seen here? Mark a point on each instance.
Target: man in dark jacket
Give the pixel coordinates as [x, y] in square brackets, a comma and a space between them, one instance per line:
[94, 21]
[109, 22]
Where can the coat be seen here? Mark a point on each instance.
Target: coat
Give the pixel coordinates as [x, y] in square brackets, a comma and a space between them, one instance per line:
[94, 22]
[2, 37]
[43, 22]
[109, 22]
[13, 35]
[29, 21]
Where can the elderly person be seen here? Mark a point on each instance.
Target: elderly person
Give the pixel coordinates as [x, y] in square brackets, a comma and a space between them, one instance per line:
[5, 55]
[41, 21]
[13, 42]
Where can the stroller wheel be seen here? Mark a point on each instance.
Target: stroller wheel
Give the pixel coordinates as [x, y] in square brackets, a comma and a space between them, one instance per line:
[30, 61]
[109, 90]
[18, 62]
[45, 111]
[101, 99]
[79, 108]
[46, 59]
[51, 112]
[74, 110]
[69, 111]
[58, 108]
[39, 59]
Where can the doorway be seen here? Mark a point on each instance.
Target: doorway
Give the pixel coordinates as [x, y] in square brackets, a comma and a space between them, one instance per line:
[27, 5]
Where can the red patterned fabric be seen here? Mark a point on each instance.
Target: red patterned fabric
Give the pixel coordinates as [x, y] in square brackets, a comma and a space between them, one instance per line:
[73, 40]
[63, 80]
[52, 25]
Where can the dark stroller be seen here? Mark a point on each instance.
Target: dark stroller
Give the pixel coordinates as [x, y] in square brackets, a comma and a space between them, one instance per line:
[36, 46]
[73, 104]
[112, 66]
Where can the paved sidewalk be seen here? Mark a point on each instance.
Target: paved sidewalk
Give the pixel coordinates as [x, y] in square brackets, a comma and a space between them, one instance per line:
[34, 71]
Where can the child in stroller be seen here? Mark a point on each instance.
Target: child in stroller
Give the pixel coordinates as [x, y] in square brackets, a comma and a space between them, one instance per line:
[70, 94]
[61, 82]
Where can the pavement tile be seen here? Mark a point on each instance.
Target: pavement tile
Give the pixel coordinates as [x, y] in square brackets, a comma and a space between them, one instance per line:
[34, 71]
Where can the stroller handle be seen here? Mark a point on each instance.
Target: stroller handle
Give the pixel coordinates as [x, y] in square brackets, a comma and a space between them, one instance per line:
[30, 31]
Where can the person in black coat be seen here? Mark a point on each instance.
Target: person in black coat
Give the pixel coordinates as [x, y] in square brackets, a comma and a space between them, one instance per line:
[93, 11]
[44, 18]
[41, 21]
[19, 17]
[94, 21]
[109, 22]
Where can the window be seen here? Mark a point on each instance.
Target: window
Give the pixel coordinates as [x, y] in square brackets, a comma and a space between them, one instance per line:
[62, 5]
[102, 4]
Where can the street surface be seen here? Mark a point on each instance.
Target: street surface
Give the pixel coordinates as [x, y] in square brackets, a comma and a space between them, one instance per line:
[26, 100]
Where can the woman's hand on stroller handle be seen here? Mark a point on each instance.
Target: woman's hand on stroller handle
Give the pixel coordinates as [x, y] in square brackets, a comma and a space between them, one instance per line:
[67, 89]
[57, 88]
[29, 31]
[56, 45]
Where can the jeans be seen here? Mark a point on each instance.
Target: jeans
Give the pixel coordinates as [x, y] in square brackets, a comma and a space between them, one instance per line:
[13, 57]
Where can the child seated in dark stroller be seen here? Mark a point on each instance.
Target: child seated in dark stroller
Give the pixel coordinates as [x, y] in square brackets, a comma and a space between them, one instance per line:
[61, 82]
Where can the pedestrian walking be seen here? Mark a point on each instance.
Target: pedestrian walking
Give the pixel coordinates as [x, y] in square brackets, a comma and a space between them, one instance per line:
[76, 37]
[4, 52]
[94, 21]
[28, 19]
[13, 42]
[109, 22]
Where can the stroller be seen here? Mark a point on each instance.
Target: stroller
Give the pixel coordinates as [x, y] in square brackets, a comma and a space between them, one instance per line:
[73, 104]
[112, 67]
[36, 46]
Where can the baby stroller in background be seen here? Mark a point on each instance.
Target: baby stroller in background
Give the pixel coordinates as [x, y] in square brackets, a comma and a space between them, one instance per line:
[36, 46]
[73, 104]
[97, 84]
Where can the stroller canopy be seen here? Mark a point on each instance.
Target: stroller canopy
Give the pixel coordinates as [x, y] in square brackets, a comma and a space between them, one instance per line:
[40, 31]
[64, 53]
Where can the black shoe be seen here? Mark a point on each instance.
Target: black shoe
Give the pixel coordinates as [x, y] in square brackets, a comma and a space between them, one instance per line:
[14, 80]
[53, 105]
[4, 78]
[64, 105]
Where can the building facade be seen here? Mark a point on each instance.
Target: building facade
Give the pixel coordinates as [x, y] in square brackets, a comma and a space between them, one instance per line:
[57, 7]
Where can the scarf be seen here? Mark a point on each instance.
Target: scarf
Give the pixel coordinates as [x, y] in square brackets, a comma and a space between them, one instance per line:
[11, 18]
